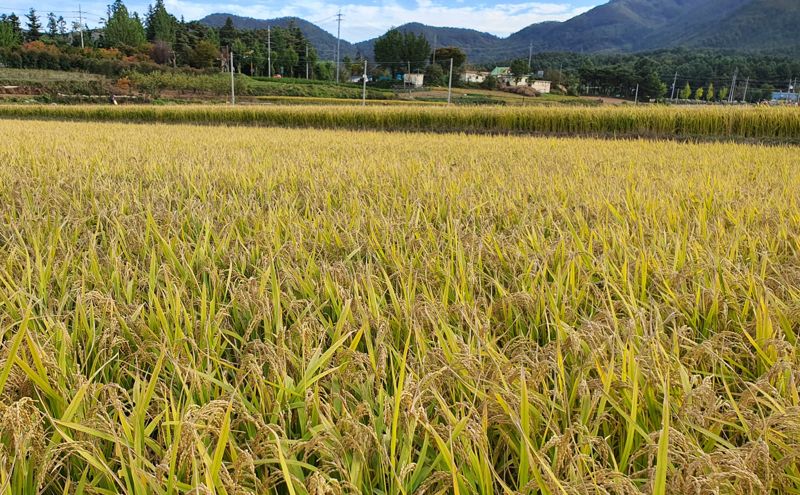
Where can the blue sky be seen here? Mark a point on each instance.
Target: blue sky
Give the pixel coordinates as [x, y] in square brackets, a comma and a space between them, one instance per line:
[363, 19]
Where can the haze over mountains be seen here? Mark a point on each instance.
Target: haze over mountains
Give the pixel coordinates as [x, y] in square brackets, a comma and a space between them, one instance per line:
[617, 26]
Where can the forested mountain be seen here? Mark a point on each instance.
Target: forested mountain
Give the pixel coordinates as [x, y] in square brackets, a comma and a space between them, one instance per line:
[617, 26]
[478, 45]
[323, 41]
[639, 25]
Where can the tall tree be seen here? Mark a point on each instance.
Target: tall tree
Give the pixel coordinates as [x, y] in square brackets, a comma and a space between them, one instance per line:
[686, 92]
[399, 51]
[62, 26]
[698, 95]
[34, 25]
[519, 69]
[443, 55]
[161, 25]
[204, 54]
[227, 33]
[648, 79]
[8, 37]
[14, 21]
[52, 25]
[123, 29]
[710, 92]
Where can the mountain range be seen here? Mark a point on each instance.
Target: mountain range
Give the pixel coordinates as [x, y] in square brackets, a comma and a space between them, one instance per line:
[769, 26]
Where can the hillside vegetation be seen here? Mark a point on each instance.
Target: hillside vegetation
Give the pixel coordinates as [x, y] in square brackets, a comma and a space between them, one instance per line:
[616, 26]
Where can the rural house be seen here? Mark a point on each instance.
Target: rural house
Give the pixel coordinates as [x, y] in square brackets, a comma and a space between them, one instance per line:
[504, 76]
[414, 80]
[474, 76]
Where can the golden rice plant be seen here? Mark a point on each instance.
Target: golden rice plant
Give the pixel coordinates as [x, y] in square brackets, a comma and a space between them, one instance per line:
[774, 125]
[196, 310]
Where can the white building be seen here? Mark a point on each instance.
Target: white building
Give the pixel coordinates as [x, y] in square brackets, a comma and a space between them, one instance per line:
[504, 76]
[473, 76]
[414, 80]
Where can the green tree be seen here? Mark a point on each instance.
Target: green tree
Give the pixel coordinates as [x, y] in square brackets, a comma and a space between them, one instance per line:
[62, 26]
[415, 50]
[387, 50]
[325, 71]
[646, 73]
[34, 25]
[686, 92]
[520, 68]
[710, 92]
[161, 25]
[227, 33]
[723, 93]
[240, 52]
[8, 37]
[204, 54]
[765, 92]
[287, 59]
[435, 75]
[52, 25]
[14, 22]
[123, 29]
[402, 51]
[698, 95]
[489, 83]
[443, 56]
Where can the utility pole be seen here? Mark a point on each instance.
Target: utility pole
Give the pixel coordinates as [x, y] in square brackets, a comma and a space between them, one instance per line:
[408, 77]
[733, 85]
[338, 41]
[674, 87]
[364, 89]
[746, 85]
[636, 102]
[269, 51]
[306, 60]
[450, 83]
[233, 91]
[80, 24]
[530, 54]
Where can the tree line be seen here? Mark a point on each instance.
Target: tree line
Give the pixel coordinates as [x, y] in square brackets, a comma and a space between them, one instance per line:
[157, 40]
[703, 75]
[128, 42]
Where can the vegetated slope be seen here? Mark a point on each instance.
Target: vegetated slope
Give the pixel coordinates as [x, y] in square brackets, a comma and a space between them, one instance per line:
[761, 25]
[639, 25]
[623, 26]
[304, 311]
[478, 45]
[323, 41]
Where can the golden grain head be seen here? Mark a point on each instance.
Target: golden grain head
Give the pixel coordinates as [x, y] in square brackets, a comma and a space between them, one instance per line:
[190, 309]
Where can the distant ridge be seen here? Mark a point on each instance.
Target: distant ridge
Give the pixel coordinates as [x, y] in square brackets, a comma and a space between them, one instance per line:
[323, 41]
[769, 26]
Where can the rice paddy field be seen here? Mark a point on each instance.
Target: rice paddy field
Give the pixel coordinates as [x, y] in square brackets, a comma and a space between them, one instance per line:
[255, 310]
[755, 125]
